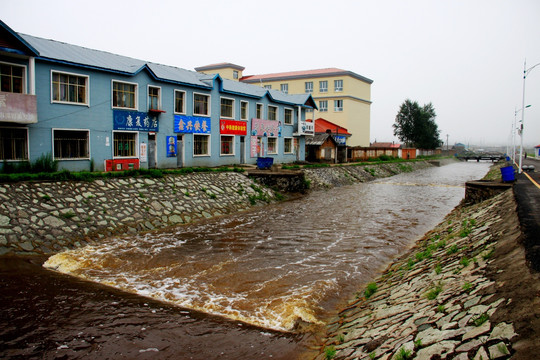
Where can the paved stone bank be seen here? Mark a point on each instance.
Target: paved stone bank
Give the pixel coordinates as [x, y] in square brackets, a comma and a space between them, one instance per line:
[328, 177]
[47, 217]
[439, 300]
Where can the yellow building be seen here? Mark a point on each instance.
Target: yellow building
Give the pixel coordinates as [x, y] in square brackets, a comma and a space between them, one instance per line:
[343, 97]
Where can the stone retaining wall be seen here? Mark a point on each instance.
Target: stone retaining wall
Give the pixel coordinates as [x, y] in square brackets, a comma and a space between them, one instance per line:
[47, 217]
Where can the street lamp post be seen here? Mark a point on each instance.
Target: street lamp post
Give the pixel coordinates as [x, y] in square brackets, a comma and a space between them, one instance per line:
[525, 73]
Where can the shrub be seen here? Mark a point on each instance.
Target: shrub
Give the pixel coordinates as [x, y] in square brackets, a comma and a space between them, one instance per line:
[370, 290]
[45, 163]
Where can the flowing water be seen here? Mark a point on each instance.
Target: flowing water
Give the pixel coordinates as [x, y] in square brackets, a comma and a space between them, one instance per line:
[280, 267]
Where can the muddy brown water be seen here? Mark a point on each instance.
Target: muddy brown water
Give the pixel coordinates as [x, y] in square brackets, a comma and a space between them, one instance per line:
[257, 284]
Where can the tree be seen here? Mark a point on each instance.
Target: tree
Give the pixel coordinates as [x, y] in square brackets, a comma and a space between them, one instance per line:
[415, 125]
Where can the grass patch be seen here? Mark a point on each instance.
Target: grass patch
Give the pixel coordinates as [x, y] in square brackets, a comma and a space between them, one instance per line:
[467, 287]
[403, 354]
[68, 215]
[452, 250]
[371, 288]
[330, 352]
[480, 319]
[434, 292]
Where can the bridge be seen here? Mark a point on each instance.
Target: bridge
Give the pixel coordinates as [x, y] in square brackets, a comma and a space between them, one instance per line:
[469, 155]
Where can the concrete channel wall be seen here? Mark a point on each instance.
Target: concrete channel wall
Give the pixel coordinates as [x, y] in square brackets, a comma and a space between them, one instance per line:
[48, 217]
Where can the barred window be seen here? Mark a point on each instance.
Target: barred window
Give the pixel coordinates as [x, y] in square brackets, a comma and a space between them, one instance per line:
[71, 144]
[13, 144]
[125, 144]
[227, 145]
[124, 95]
[272, 145]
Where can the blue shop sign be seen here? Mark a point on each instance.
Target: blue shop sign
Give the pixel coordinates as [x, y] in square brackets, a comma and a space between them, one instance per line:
[135, 121]
[191, 124]
[340, 140]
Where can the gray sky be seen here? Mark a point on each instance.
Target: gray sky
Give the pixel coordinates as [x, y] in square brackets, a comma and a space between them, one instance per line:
[464, 56]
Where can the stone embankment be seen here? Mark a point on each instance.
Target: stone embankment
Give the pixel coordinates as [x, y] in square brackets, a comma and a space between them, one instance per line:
[449, 297]
[48, 217]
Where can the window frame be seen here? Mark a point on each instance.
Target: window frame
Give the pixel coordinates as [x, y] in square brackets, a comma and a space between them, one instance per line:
[135, 146]
[209, 147]
[325, 107]
[285, 110]
[135, 95]
[321, 88]
[232, 106]
[275, 113]
[55, 157]
[24, 76]
[235, 74]
[232, 153]
[209, 104]
[268, 86]
[338, 88]
[276, 150]
[284, 88]
[86, 87]
[176, 91]
[336, 107]
[285, 140]
[158, 88]
[260, 107]
[308, 86]
[242, 102]
[26, 145]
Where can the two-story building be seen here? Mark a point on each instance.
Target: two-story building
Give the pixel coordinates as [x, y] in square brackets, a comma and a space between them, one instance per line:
[94, 109]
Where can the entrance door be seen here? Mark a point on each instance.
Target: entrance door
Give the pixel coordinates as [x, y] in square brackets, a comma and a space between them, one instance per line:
[179, 151]
[242, 150]
[152, 151]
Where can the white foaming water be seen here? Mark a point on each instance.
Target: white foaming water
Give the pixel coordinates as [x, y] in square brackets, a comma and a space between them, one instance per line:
[285, 263]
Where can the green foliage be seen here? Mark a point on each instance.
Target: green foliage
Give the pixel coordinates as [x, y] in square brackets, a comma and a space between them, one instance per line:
[464, 261]
[372, 355]
[453, 249]
[418, 344]
[45, 163]
[467, 287]
[371, 288]
[403, 354]
[68, 215]
[441, 308]
[438, 269]
[434, 292]
[416, 125]
[488, 255]
[330, 352]
[480, 319]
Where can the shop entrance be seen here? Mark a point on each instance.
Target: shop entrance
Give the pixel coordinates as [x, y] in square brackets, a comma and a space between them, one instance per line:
[152, 163]
[179, 151]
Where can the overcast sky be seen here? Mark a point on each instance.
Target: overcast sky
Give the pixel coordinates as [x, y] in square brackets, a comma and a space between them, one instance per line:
[464, 56]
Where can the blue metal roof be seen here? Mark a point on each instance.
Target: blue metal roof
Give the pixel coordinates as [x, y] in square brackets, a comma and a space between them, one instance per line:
[60, 52]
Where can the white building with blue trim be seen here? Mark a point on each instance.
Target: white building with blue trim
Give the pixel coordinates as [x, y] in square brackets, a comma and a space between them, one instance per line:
[85, 106]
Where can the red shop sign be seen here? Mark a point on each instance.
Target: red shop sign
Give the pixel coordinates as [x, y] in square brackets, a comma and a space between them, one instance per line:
[232, 127]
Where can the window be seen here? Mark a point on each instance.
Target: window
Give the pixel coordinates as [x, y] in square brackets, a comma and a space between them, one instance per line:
[272, 145]
[244, 110]
[309, 86]
[13, 144]
[154, 101]
[338, 105]
[269, 87]
[200, 104]
[69, 88]
[235, 74]
[12, 78]
[284, 88]
[71, 144]
[288, 117]
[227, 108]
[125, 144]
[227, 145]
[287, 145]
[323, 86]
[338, 85]
[179, 102]
[200, 145]
[259, 114]
[272, 112]
[124, 95]
[309, 110]
[323, 105]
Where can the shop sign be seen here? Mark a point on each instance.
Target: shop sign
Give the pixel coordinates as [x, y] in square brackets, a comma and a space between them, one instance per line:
[255, 147]
[143, 154]
[232, 127]
[18, 108]
[340, 139]
[306, 128]
[260, 127]
[134, 120]
[191, 124]
[171, 146]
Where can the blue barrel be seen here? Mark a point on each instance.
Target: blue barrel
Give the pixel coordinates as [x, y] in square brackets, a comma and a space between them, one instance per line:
[507, 173]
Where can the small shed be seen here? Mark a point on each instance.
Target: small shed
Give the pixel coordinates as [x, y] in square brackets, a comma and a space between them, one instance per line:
[321, 148]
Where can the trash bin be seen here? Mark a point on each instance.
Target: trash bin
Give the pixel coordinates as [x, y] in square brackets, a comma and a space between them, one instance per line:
[264, 162]
[507, 173]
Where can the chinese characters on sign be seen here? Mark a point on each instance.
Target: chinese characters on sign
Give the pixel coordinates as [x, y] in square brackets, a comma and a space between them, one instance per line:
[340, 139]
[255, 146]
[261, 127]
[191, 124]
[18, 108]
[233, 127]
[134, 120]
